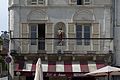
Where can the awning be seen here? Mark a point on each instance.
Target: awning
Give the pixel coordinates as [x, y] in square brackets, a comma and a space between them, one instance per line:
[60, 66]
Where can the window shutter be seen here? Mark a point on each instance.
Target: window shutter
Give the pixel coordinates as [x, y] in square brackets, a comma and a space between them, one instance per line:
[49, 30]
[71, 34]
[71, 30]
[49, 34]
[25, 42]
[96, 34]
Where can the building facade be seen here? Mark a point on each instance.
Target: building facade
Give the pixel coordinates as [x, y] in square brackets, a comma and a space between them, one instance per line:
[72, 37]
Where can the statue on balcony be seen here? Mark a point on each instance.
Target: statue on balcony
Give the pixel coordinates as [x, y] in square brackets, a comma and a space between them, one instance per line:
[60, 36]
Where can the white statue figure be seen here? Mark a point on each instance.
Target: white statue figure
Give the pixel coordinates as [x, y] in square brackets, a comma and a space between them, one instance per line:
[60, 36]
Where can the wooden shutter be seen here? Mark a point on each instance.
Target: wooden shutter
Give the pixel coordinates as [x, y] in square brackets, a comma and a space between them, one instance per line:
[24, 42]
[71, 30]
[96, 34]
[49, 30]
[49, 34]
[71, 34]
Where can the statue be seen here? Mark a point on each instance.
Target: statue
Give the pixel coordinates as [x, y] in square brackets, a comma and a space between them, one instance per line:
[60, 36]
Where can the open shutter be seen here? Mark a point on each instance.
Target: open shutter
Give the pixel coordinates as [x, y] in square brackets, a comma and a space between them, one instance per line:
[25, 42]
[96, 34]
[49, 34]
[71, 34]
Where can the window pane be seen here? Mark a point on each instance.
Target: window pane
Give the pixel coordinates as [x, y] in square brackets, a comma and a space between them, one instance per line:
[33, 28]
[87, 35]
[33, 34]
[79, 34]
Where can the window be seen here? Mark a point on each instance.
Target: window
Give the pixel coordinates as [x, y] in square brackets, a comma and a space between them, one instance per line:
[83, 31]
[33, 34]
[36, 2]
[38, 31]
[80, 2]
[79, 34]
[87, 34]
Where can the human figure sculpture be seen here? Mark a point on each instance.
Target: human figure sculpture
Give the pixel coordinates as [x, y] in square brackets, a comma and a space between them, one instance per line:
[60, 36]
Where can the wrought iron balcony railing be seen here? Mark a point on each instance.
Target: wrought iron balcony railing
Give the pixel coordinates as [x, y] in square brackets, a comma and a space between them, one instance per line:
[64, 46]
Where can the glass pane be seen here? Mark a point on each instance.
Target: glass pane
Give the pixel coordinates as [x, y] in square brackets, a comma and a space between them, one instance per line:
[87, 29]
[78, 27]
[87, 35]
[33, 28]
[79, 34]
[33, 34]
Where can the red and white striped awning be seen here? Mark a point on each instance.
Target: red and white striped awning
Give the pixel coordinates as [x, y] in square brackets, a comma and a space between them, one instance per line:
[60, 66]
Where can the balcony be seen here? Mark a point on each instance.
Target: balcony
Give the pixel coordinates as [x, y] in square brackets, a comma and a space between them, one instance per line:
[67, 49]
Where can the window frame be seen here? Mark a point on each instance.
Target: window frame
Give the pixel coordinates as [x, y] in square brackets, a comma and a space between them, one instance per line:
[83, 32]
[36, 3]
[83, 2]
[33, 41]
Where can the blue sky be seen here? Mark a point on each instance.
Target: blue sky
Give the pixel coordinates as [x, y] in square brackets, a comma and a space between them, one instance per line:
[3, 15]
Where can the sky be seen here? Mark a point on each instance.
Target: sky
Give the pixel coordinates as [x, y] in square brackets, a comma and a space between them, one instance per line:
[3, 15]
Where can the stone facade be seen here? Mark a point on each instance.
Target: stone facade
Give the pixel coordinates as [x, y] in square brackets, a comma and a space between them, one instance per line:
[97, 13]
[29, 19]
